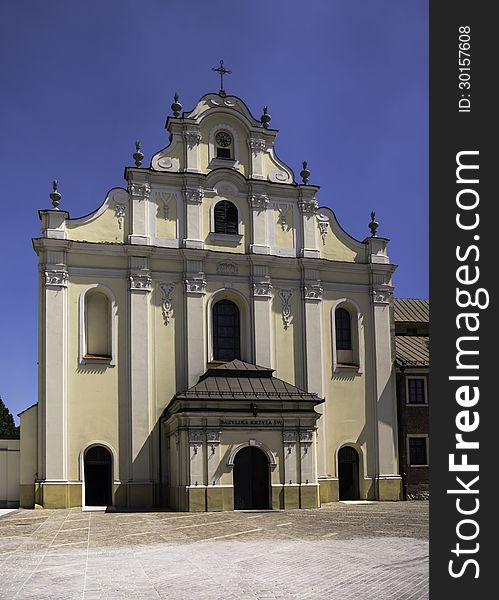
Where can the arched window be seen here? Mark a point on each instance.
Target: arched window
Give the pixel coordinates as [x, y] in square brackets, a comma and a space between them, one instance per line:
[223, 145]
[343, 329]
[226, 331]
[226, 217]
[97, 325]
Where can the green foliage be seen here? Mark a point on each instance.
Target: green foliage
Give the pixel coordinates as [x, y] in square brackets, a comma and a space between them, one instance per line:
[7, 425]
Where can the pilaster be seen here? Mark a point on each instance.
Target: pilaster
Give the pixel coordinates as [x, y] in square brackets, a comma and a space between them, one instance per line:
[314, 353]
[308, 209]
[192, 140]
[262, 312]
[139, 365]
[259, 221]
[53, 441]
[195, 342]
[139, 191]
[193, 198]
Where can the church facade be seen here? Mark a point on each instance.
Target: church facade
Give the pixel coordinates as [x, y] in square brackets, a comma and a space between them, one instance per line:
[210, 338]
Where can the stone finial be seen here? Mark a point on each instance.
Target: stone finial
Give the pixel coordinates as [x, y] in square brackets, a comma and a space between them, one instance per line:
[176, 106]
[55, 196]
[373, 225]
[138, 157]
[305, 173]
[265, 118]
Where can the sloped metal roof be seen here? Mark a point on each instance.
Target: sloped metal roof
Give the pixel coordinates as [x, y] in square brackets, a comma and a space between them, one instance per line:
[412, 350]
[416, 310]
[237, 380]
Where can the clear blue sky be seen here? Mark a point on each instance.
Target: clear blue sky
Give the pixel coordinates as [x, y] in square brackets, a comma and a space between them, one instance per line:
[346, 82]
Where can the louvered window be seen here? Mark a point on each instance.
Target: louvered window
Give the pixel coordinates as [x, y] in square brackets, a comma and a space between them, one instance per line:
[226, 218]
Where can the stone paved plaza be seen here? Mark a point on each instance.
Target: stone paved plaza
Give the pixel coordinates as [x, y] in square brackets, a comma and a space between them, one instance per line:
[342, 551]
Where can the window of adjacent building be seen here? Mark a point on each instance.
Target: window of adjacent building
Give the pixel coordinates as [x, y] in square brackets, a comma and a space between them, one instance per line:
[416, 390]
[97, 325]
[226, 217]
[226, 331]
[418, 450]
[223, 145]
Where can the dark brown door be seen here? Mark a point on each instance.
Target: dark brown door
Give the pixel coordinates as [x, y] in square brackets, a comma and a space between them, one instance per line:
[98, 477]
[251, 479]
[348, 473]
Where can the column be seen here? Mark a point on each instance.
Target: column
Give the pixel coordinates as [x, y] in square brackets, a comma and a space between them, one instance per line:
[262, 316]
[140, 390]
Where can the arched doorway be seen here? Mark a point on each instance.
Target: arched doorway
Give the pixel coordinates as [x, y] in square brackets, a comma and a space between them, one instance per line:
[348, 473]
[251, 479]
[98, 476]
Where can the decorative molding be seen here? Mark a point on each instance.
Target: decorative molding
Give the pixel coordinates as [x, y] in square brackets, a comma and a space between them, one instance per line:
[56, 278]
[381, 295]
[195, 439]
[227, 268]
[257, 145]
[167, 290]
[313, 292]
[140, 282]
[323, 227]
[196, 285]
[167, 163]
[192, 138]
[279, 177]
[259, 202]
[193, 195]
[308, 206]
[282, 210]
[289, 439]
[140, 190]
[263, 289]
[285, 296]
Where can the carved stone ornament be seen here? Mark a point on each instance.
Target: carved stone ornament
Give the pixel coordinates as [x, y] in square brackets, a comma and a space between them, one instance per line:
[313, 292]
[140, 282]
[323, 227]
[193, 195]
[282, 209]
[381, 295]
[259, 202]
[227, 268]
[196, 285]
[289, 438]
[213, 439]
[140, 190]
[308, 206]
[166, 163]
[192, 138]
[285, 296]
[195, 439]
[163, 200]
[257, 145]
[263, 288]
[119, 211]
[306, 438]
[167, 290]
[56, 278]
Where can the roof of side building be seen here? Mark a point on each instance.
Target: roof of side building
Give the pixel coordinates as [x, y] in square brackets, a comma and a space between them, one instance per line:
[416, 310]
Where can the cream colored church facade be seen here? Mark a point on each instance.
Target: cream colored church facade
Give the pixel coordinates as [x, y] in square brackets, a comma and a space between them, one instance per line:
[210, 338]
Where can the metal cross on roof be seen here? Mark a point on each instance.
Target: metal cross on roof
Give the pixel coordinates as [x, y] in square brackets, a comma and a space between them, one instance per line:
[223, 71]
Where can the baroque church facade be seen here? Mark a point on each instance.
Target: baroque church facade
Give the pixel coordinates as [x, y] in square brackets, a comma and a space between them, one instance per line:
[210, 338]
